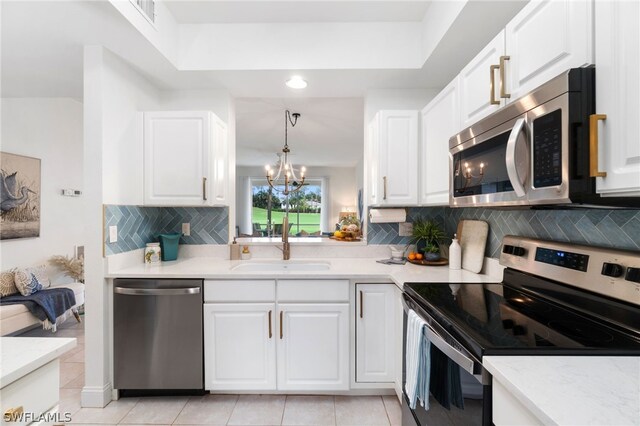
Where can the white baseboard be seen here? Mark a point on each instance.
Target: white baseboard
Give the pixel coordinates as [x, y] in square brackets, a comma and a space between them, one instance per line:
[95, 396]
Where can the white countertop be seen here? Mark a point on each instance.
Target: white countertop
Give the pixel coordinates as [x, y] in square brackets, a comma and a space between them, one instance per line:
[572, 390]
[21, 355]
[351, 268]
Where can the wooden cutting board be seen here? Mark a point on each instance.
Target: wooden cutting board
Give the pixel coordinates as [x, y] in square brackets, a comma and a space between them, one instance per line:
[472, 235]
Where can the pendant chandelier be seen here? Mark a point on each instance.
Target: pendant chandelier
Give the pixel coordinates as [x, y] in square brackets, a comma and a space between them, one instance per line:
[291, 181]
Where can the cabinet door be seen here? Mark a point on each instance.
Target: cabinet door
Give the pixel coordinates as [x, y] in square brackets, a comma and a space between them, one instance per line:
[545, 39]
[397, 158]
[176, 158]
[618, 96]
[375, 322]
[475, 83]
[239, 346]
[372, 161]
[313, 347]
[440, 121]
[220, 184]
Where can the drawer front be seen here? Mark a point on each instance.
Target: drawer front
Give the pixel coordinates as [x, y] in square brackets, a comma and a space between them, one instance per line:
[240, 291]
[313, 290]
[36, 393]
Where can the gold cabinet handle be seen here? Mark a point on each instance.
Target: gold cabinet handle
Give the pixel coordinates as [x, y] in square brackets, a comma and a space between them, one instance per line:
[503, 90]
[270, 332]
[13, 414]
[361, 305]
[492, 85]
[281, 314]
[204, 188]
[384, 188]
[593, 145]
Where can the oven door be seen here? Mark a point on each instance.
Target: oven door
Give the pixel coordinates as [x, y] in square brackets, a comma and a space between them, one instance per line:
[475, 380]
[492, 169]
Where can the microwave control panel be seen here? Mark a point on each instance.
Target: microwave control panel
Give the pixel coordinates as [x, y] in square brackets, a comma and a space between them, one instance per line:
[547, 150]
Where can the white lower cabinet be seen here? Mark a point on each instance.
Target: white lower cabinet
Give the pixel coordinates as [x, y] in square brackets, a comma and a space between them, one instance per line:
[507, 410]
[251, 343]
[313, 346]
[375, 331]
[240, 348]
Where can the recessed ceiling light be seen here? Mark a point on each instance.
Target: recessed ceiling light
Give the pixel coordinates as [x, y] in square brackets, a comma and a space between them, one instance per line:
[296, 82]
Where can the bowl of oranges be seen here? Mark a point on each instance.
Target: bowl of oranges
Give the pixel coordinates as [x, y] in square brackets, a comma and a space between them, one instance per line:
[418, 258]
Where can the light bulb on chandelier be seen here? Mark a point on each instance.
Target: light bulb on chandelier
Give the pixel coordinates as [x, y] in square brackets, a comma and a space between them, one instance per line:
[284, 167]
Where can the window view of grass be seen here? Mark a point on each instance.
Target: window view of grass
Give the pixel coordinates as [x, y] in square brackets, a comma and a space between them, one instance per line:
[304, 210]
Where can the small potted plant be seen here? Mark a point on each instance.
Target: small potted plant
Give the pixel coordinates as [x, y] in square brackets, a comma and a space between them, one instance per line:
[427, 235]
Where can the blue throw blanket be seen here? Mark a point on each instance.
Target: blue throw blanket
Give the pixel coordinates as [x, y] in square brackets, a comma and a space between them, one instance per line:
[47, 304]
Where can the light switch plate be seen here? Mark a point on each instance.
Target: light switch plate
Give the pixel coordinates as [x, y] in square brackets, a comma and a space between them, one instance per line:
[405, 229]
[186, 229]
[113, 234]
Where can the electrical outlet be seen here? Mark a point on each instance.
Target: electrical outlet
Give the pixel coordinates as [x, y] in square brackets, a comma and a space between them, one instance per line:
[113, 234]
[186, 229]
[405, 229]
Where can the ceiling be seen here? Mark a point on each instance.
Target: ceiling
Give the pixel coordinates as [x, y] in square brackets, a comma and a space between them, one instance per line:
[42, 48]
[329, 131]
[202, 12]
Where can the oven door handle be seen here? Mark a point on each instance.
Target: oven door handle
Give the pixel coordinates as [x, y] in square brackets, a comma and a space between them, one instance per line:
[512, 170]
[454, 354]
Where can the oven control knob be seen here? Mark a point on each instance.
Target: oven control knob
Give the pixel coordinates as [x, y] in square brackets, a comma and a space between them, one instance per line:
[633, 274]
[513, 250]
[612, 270]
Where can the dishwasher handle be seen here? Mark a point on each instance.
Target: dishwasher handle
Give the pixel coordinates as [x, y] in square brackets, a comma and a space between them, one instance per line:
[156, 291]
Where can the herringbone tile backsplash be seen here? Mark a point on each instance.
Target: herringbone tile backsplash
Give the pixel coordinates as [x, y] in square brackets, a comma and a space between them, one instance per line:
[138, 226]
[605, 228]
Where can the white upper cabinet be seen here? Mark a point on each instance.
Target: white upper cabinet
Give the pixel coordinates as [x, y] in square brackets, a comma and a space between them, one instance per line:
[185, 159]
[393, 148]
[618, 97]
[440, 121]
[479, 83]
[544, 39]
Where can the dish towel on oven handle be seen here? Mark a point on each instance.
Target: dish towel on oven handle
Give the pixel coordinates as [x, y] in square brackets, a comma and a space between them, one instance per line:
[417, 361]
[446, 387]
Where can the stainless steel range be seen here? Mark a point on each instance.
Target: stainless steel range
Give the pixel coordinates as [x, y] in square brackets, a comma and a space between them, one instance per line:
[555, 299]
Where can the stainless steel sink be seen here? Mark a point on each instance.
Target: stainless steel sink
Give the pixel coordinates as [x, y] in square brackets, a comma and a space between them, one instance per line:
[281, 266]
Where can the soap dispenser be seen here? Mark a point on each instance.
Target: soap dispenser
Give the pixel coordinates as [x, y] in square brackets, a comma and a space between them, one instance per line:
[234, 250]
[455, 254]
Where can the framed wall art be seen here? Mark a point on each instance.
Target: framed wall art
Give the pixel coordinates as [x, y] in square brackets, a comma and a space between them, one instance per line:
[20, 187]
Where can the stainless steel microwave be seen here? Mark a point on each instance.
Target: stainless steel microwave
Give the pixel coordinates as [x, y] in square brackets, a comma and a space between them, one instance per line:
[534, 151]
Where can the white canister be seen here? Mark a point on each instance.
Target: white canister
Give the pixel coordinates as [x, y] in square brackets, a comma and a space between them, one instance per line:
[455, 254]
[152, 253]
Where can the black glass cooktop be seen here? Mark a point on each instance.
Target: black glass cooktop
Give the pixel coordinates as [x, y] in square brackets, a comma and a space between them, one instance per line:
[526, 315]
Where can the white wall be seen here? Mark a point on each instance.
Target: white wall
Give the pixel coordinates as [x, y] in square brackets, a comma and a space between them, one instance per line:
[315, 45]
[49, 129]
[126, 95]
[341, 184]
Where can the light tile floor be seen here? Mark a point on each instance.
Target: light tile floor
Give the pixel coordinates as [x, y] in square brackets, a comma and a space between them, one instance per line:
[234, 410]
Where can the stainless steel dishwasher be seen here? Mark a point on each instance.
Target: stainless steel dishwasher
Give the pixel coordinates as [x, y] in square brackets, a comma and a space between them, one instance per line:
[157, 334]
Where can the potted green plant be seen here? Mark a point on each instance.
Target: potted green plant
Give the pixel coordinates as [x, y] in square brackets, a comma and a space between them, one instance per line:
[427, 235]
